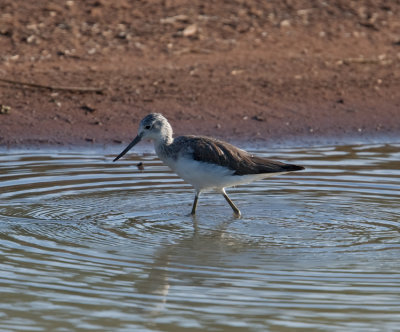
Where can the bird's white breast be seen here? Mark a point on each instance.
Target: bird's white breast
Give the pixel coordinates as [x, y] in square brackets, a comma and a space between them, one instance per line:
[203, 176]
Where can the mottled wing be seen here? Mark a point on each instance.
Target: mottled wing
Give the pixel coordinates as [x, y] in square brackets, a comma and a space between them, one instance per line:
[241, 162]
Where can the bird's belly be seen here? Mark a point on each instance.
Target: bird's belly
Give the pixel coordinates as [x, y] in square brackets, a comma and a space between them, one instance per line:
[203, 176]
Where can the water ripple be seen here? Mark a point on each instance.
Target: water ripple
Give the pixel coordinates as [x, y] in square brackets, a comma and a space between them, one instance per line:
[87, 244]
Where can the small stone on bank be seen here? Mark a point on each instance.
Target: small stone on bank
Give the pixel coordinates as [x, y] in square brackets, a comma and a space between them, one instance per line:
[4, 109]
[190, 30]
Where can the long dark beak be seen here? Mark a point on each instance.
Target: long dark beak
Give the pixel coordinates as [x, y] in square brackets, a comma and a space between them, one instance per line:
[130, 146]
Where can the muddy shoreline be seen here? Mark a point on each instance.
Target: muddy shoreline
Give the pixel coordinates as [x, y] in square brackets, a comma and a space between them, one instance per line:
[258, 73]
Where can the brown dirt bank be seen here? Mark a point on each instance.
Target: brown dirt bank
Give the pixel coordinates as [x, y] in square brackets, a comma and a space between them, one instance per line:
[243, 70]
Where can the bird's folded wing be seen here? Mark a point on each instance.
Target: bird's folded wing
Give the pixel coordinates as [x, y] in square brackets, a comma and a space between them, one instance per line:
[213, 151]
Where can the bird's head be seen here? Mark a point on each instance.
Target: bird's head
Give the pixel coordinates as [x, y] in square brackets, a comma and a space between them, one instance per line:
[154, 127]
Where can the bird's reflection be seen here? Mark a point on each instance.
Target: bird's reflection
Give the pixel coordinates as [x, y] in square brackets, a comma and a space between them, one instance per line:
[201, 247]
[157, 281]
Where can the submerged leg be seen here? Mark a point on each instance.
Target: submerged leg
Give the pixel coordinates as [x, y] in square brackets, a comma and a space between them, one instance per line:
[196, 198]
[233, 206]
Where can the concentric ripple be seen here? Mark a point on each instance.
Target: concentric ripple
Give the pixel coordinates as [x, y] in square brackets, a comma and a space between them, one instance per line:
[87, 244]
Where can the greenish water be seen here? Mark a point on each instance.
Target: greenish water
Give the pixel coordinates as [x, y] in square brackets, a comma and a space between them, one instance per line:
[91, 245]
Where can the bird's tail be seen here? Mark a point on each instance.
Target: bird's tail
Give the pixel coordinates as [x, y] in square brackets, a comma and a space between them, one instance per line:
[292, 168]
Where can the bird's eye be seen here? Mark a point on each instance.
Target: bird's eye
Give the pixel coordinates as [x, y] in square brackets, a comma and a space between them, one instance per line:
[147, 127]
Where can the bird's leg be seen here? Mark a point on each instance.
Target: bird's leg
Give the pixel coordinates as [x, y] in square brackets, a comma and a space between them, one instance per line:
[233, 206]
[196, 198]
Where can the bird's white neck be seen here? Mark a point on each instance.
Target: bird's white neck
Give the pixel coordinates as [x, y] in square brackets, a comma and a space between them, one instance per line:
[163, 140]
[166, 133]
[161, 146]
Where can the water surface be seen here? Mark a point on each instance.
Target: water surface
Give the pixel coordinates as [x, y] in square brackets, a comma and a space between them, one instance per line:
[90, 245]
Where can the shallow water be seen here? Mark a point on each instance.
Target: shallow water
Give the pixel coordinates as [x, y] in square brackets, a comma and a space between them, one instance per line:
[87, 244]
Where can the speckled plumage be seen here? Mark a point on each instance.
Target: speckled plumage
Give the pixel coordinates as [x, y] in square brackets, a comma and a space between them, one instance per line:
[204, 162]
